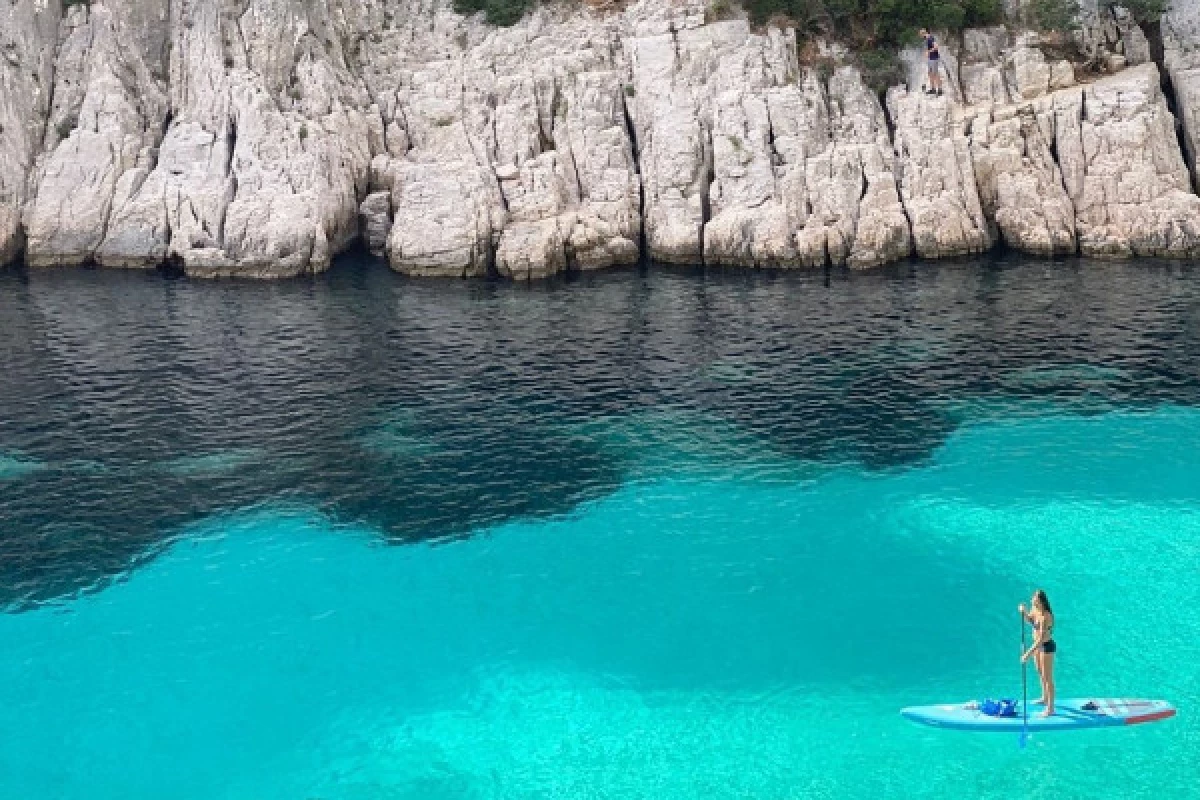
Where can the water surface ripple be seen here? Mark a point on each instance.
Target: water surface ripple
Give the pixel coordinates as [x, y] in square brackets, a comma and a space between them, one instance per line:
[133, 405]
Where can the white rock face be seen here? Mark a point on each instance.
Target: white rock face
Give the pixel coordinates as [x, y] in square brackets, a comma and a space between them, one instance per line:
[506, 148]
[262, 137]
[376, 215]
[28, 38]
[1181, 55]
[937, 175]
[671, 63]
[1122, 168]
[262, 168]
[999, 67]
[1020, 184]
[1095, 168]
[859, 204]
[107, 116]
[982, 67]
[220, 161]
[750, 160]
[1109, 37]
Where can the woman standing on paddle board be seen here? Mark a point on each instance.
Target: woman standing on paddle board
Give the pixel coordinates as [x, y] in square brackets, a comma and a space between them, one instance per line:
[1043, 648]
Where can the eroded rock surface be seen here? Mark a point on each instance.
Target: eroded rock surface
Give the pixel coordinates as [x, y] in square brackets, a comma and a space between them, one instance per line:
[109, 110]
[750, 159]
[1020, 183]
[268, 149]
[28, 45]
[1123, 169]
[1181, 56]
[937, 175]
[262, 137]
[506, 148]
[1093, 168]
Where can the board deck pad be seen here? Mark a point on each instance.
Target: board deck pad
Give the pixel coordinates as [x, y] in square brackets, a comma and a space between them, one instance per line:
[1070, 714]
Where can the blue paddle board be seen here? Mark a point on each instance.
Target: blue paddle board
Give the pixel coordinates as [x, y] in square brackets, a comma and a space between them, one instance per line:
[1072, 714]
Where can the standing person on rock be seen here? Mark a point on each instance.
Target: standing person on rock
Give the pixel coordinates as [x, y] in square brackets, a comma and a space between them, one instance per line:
[935, 63]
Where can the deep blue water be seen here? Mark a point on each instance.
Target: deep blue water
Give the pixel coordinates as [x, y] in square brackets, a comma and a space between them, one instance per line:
[648, 533]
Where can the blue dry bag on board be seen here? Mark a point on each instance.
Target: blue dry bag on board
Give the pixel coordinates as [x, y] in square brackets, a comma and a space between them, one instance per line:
[1006, 707]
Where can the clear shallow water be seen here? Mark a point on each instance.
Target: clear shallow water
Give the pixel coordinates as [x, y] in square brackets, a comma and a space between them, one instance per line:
[686, 535]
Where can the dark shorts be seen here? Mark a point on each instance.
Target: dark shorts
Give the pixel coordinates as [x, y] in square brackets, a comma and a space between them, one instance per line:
[1049, 647]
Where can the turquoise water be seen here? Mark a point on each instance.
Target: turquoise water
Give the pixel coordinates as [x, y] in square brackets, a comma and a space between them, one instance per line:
[710, 634]
[656, 533]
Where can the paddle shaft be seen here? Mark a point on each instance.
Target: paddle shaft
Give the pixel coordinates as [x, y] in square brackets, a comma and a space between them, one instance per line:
[1024, 680]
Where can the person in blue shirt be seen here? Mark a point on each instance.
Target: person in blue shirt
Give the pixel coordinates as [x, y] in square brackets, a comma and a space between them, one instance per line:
[935, 63]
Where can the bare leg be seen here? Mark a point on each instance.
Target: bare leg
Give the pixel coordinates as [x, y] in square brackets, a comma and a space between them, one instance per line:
[1037, 662]
[1048, 682]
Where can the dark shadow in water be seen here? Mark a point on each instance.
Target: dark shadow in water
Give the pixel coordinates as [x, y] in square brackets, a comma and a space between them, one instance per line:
[431, 408]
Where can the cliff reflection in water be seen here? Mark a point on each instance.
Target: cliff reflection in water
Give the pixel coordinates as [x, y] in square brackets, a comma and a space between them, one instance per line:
[134, 404]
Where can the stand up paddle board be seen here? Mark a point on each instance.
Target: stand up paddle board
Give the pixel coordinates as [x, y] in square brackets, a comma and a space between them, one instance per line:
[1073, 714]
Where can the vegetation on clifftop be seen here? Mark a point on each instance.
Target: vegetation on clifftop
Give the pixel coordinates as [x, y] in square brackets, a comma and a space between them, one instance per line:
[872, 24]
[1054, 15]
[499, 12]
[869, 23]
[861, 24]
[1146, 12]
[873, 30]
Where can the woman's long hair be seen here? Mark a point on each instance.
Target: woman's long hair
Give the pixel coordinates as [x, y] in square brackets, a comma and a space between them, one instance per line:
[1040, 600]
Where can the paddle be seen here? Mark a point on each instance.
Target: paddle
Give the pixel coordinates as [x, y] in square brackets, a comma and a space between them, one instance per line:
[1024, 689]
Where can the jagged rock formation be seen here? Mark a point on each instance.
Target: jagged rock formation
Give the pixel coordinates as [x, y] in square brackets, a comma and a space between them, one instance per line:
[1012, 142]
[1180, 28]
[1108, 36]
[1020, 182]
[750, 160]
[261, 137]
[28, 34]
[1124, 170]
[104, 125]
[267, 150]
[1095, 168]
[937, 176]
[507, 147]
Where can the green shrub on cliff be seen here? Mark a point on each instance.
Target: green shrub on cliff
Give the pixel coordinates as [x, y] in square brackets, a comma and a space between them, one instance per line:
[1146, 12]
[498, 12]
[1054, 15]
[880, 68]
[871, 24]
[875, 30]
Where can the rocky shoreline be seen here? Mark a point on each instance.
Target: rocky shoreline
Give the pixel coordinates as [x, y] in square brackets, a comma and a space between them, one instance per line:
[261, 137]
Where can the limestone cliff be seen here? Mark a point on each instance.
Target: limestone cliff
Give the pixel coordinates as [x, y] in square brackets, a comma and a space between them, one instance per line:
[262, 137]
[28, 40]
